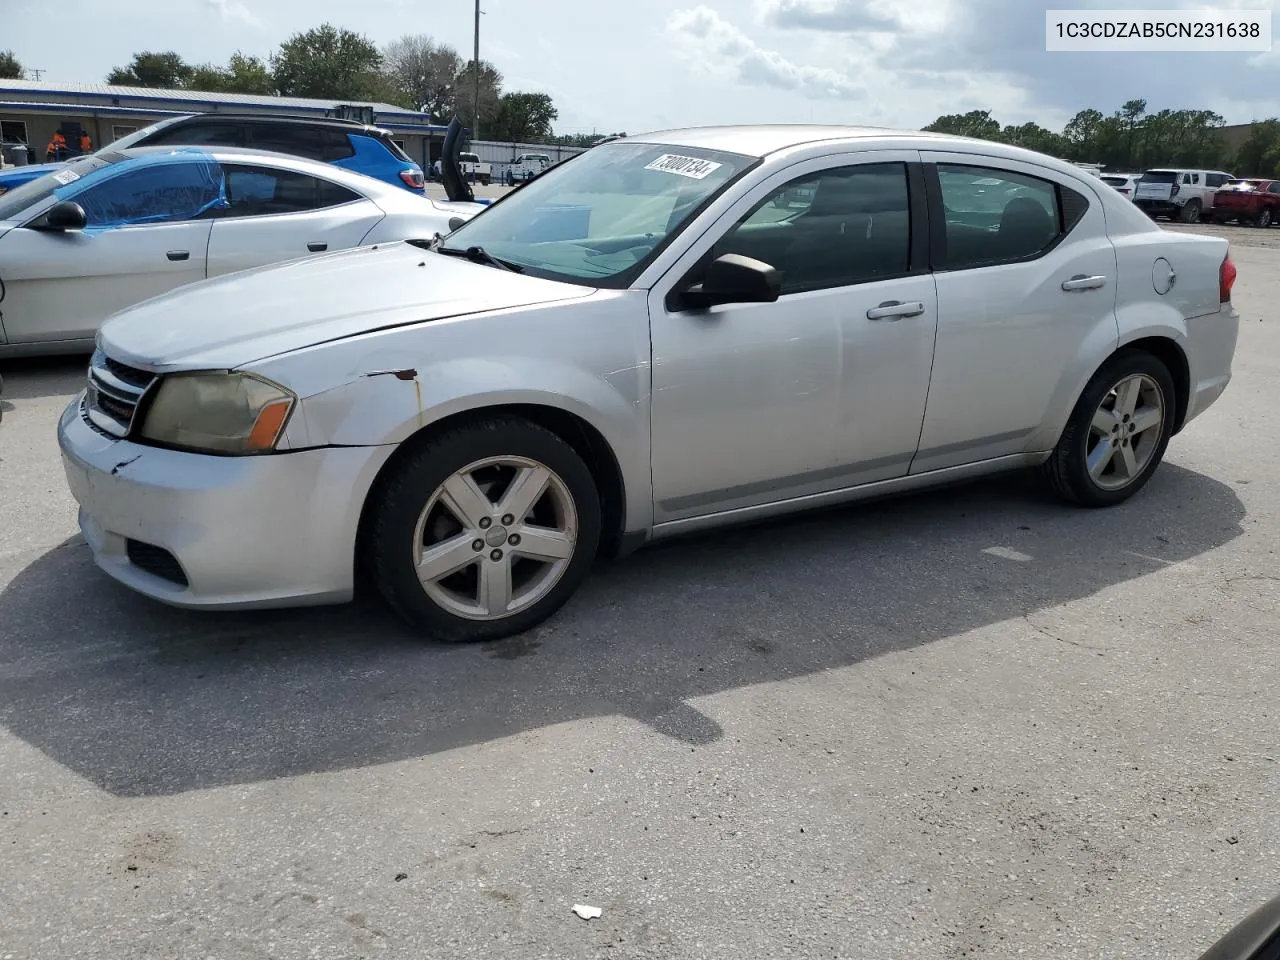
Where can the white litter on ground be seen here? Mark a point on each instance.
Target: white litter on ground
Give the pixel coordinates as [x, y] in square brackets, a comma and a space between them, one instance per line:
[1007, 554]
[585, 912]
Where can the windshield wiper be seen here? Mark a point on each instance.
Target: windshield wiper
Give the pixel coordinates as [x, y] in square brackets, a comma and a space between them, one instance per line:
[480, 255]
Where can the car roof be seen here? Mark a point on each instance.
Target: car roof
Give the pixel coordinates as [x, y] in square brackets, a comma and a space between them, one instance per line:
[284, 118]
[267, 158]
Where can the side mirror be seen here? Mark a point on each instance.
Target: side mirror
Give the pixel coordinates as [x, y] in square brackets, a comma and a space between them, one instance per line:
[734, 278]
[67, 215]
[455, 223]
[1256, 937]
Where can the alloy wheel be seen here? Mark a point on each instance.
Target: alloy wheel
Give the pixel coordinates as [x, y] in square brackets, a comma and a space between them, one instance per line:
[495, 538]
[1125, 432]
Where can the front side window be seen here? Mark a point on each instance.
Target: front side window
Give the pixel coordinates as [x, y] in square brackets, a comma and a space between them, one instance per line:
[1273, 187]
[151, 192]
[999, 216]
[200, 134]
[600, 218]
[260, 191]
[835, 228]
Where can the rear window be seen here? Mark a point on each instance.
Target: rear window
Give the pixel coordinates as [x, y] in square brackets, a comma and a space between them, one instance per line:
[395, 148]
[1160, 176]
[1243, 184]
[1115, 181]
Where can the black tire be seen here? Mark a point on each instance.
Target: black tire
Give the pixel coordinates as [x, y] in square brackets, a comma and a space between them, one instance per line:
[1190, 212]
[1067, 470]
[1263, 219]
[390, 550]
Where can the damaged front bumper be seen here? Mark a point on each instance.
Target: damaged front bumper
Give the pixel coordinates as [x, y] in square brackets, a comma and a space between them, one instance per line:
[217, 532]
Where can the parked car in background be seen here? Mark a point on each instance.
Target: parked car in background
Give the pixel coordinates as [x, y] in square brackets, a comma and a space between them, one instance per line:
[528, 165]
[1185, 195]
[111, 229]
[343, 143]
[722, 325]
[1124, 183]
[1254, 201]
[474, 170]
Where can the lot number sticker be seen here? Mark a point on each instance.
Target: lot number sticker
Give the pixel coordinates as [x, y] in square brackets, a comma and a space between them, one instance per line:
[691, 167]
[66, 176]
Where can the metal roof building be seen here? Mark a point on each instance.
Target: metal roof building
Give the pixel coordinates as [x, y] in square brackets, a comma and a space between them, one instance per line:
[30, 112]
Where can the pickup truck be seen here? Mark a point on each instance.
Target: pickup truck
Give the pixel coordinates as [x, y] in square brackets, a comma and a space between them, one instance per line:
[527, 166]
[474, 170]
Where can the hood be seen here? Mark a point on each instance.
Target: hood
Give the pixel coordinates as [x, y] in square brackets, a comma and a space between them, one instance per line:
[242, 317]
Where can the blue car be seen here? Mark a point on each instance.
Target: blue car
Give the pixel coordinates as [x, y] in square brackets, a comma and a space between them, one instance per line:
[344, 143]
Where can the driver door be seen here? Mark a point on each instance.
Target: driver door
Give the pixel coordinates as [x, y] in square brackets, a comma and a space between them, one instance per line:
[823, 389]
[140, 241]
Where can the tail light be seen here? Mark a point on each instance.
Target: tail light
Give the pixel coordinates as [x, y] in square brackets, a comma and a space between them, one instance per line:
[1226, 279]
[413, 179]
[1174, 191]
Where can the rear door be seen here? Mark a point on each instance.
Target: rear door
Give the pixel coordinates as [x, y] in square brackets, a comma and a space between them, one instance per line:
[143, 238]
[274, 215]
[1026, 278]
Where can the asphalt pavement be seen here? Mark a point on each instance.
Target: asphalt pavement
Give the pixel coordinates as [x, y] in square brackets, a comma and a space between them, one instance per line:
[962, 724]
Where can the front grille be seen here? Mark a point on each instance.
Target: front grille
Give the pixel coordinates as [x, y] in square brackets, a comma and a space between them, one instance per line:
[156, 561]
[114, 392]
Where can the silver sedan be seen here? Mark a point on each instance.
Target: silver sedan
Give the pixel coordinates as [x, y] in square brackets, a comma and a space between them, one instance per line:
[112, 229]
[666, 333]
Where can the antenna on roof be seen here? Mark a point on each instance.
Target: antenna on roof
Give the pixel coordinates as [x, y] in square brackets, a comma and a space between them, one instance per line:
[35, 72]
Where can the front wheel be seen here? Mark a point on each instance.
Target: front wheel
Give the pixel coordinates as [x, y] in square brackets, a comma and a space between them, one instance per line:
[1263, 219]
[485, 531]
[1117, 433]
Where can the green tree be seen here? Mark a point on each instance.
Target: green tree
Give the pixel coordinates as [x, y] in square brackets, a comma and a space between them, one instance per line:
[522, 118]
[490, 94]
[1131, 117]
[424, 75]
[329, 63]
[1032, 136]
[165, 70]
[1256, 156]
[10, 67]
[975, 123]
[242, 74]
[1081, 133]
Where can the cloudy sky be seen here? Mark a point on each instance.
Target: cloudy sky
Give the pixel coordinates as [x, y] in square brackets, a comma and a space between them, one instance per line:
[648, 64]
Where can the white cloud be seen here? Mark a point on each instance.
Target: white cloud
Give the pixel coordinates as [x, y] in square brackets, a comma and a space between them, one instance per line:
[717, 45]
[233, 11]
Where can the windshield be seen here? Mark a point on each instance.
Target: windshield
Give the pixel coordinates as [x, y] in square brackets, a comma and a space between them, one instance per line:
[599, 218]
[20, 198]
[1160, 176]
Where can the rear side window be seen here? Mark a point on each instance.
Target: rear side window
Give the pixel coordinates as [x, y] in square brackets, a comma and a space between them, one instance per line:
[1216, 179]
[999, 216]
[396, 148]
[260, 192]
[314, 143]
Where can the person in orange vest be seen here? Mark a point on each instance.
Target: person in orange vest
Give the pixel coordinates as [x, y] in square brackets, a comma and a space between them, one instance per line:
[57, 149]
[86, 145]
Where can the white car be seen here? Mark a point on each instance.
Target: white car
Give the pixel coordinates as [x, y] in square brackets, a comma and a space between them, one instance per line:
[664, 333]
[113, 229]
[1124, 183]
[1177, 193]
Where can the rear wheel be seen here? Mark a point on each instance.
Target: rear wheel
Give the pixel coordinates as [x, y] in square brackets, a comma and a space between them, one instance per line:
[1117, 433]
[1190, 212]
[485, 531]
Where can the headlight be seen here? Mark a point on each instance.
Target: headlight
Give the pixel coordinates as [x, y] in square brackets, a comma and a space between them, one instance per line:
[218, 413]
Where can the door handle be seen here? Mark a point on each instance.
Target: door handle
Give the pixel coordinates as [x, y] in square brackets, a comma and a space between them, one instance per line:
[315, 246]
[895, 310]
[1081, 282]
[179, 254]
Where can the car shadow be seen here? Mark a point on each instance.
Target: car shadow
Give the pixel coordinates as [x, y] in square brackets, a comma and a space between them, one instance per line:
[31, 378]
[141, 699]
